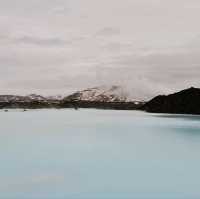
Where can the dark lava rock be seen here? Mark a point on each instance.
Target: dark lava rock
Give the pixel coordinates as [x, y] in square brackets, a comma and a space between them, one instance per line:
[183, 102]
[101, 105]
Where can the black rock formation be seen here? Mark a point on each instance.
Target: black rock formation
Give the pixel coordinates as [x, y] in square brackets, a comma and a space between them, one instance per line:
[183, 102]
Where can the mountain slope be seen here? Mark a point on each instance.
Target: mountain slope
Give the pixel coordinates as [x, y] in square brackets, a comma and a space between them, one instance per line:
[100, 94]
[29, 101]
[100, 97]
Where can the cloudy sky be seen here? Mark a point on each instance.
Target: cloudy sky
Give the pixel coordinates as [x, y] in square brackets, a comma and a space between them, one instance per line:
[58, 46]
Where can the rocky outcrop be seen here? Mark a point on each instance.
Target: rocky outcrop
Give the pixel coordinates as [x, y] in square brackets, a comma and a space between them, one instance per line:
[183, 102]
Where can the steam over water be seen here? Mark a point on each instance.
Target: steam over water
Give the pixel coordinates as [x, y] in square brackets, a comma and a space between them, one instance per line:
[98, 154]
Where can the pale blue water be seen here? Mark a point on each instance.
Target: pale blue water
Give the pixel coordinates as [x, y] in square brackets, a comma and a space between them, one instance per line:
[98, 154]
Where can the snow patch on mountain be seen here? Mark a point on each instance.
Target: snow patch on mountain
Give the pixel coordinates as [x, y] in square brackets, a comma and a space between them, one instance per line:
[101, 94]
[28, 98]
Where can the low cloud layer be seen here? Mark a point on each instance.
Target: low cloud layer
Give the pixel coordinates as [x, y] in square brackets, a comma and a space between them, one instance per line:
[58, 46]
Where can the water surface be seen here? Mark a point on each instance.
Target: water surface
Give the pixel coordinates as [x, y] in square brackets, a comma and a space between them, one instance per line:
[98, 154]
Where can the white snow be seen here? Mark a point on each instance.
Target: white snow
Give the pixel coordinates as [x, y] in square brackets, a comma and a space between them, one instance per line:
[103, 93]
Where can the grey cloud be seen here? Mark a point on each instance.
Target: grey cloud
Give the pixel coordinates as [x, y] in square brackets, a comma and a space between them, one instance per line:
[117, 46]
[42, 41]
[149, 46]
[169, 71]
[60, 10]
[108, 31]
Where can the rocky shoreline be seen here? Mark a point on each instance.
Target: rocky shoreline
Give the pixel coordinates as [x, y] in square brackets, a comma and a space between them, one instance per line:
[72, 104]
[102, 105]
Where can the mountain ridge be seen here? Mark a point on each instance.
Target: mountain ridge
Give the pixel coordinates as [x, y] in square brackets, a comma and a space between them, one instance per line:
[113, 97]
[186, 101]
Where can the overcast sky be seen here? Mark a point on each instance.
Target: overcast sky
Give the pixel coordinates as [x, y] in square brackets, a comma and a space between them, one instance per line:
[58, 46]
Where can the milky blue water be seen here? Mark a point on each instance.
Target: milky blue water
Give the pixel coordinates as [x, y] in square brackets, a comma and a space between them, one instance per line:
[98, 154]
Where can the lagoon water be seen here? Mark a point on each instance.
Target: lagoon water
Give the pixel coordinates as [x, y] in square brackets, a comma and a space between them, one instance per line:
[98, 154]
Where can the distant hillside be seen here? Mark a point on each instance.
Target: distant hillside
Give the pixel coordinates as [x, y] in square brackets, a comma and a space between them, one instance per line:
[100, 94]
[29, 101]
[113, 97]
[183, 102]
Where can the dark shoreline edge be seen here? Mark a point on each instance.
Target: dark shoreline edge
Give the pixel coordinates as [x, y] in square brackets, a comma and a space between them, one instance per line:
[72, 104]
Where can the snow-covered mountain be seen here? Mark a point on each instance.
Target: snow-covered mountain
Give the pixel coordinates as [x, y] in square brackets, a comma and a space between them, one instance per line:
[98, 97]
[17, 98]
[100, 94]
[28, 102]
[55, 97]
[35, 97]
